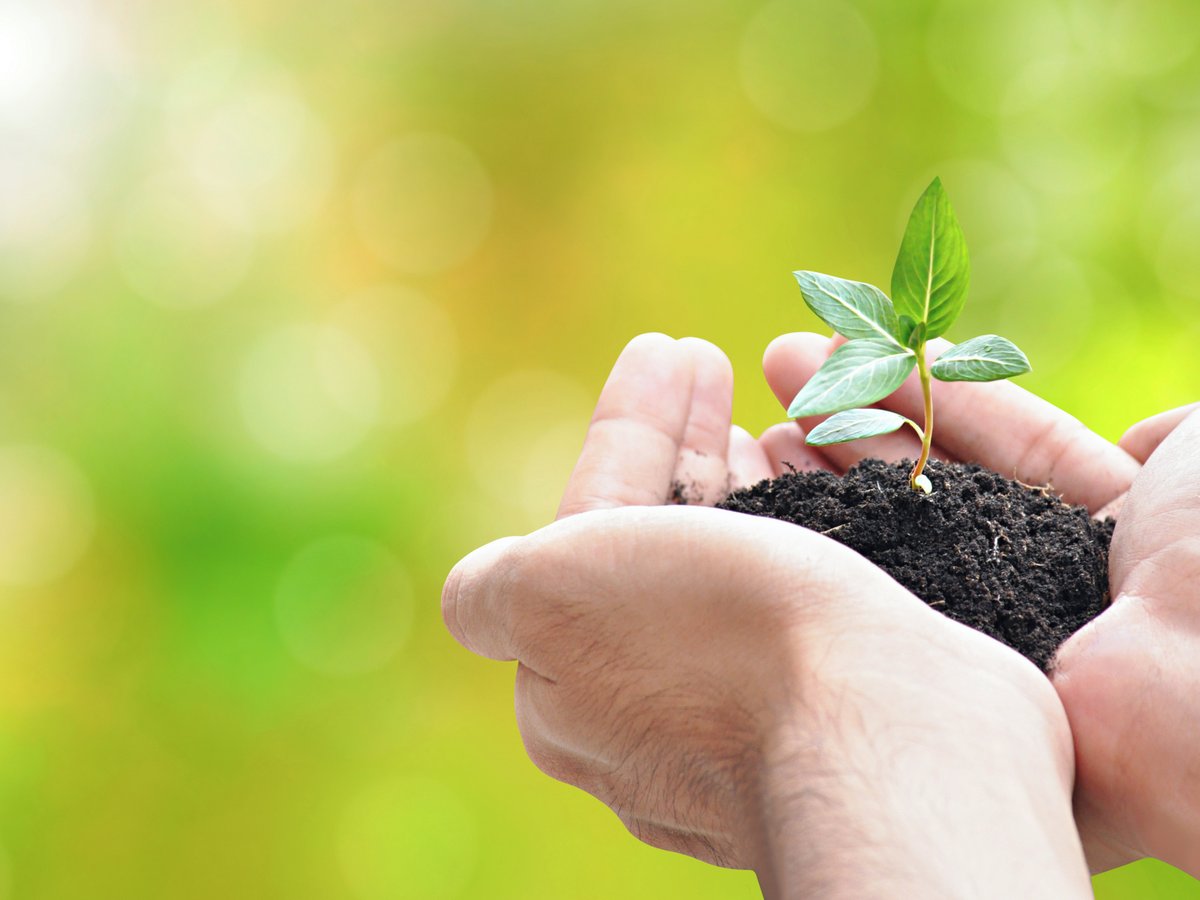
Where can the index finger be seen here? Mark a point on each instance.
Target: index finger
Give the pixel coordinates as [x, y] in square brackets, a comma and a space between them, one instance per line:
[633, 440]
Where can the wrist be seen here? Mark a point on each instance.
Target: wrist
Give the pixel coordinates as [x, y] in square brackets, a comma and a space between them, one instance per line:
[907, 769]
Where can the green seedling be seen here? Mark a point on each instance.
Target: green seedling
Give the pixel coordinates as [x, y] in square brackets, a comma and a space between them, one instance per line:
[887, 337]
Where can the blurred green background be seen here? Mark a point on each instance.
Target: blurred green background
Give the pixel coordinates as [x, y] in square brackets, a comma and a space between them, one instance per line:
[302, 301]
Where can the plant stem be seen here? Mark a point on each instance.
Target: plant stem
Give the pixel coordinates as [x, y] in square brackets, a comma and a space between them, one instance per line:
[927, 437]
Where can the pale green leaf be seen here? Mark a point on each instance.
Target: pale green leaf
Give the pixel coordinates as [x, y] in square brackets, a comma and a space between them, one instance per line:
[855, 424]
[857, 374]
[984, 358]
[851, 308]
[929, 281]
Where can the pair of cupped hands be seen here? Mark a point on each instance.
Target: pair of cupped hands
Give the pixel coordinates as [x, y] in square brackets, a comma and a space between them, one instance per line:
[754, 694]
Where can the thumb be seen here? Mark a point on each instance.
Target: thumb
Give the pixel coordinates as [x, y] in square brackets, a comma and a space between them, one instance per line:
[1162, 507]
[474, 609]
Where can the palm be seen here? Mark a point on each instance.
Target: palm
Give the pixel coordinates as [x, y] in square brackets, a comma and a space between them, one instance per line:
[1136, 776]
[662, 429]
[1129, 680]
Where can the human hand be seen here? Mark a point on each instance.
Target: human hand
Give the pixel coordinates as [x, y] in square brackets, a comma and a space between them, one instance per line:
[630, 716]
[1126, 703]
[757, 695]
[1130, 679]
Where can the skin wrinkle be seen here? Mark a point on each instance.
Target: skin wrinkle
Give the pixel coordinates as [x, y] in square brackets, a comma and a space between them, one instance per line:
[666, 435]
[663, 728]
[699, 789]
[1123, 734]
[463, 584]
[1124, 562]
[813, 865]
[1047, 433]
[679, 785]
[1176, 565]
[681, 745]
[707, 431]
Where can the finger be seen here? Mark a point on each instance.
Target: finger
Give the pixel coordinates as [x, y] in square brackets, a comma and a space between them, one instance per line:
[633, 441]
[474, 605]
[701, 473]
[1112, 509]
[1143, 438]
[748, 462]
[786, 451]
[997, 424]
[1161, 516]
[805, 353]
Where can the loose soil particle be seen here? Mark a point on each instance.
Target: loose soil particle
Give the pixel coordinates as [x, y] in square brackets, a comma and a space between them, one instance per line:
[1010, 560]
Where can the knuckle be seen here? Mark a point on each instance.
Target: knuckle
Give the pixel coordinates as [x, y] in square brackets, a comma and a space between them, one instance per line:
[476, 582]
[1051, 446]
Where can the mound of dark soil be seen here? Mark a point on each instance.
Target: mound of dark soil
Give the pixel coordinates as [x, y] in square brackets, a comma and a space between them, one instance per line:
[1010, 560]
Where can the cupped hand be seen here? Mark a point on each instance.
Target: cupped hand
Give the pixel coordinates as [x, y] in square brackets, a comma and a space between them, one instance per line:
[756, 695]
[737, 688]
[1130, 680]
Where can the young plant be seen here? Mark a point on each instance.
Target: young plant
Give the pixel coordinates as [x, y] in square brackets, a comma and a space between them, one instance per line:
[887, 337]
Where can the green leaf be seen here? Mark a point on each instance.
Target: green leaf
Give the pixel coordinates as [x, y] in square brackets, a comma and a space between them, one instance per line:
[857, 374]
[929, 281]
[984, 358]
[857, 423]
[851, 308]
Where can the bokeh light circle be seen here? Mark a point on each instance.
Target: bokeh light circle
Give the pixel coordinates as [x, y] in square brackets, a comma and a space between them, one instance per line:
[1001, 220]
[173, 250]
[309, 393]
[261, 158]
[414, 342]
[1069, 131]
[40, 47]
[974, 49]
[1137, 38]
[519, 443]
[808, 66]
[66, 75]
[1172, 196]
[1049, 311]
[47, 514]
[410, 836]
[423, 203]
[1175, 257]
[344, 605]
[44, 228]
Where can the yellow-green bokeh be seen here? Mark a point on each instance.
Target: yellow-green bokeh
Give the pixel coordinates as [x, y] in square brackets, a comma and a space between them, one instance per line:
[299, 302]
